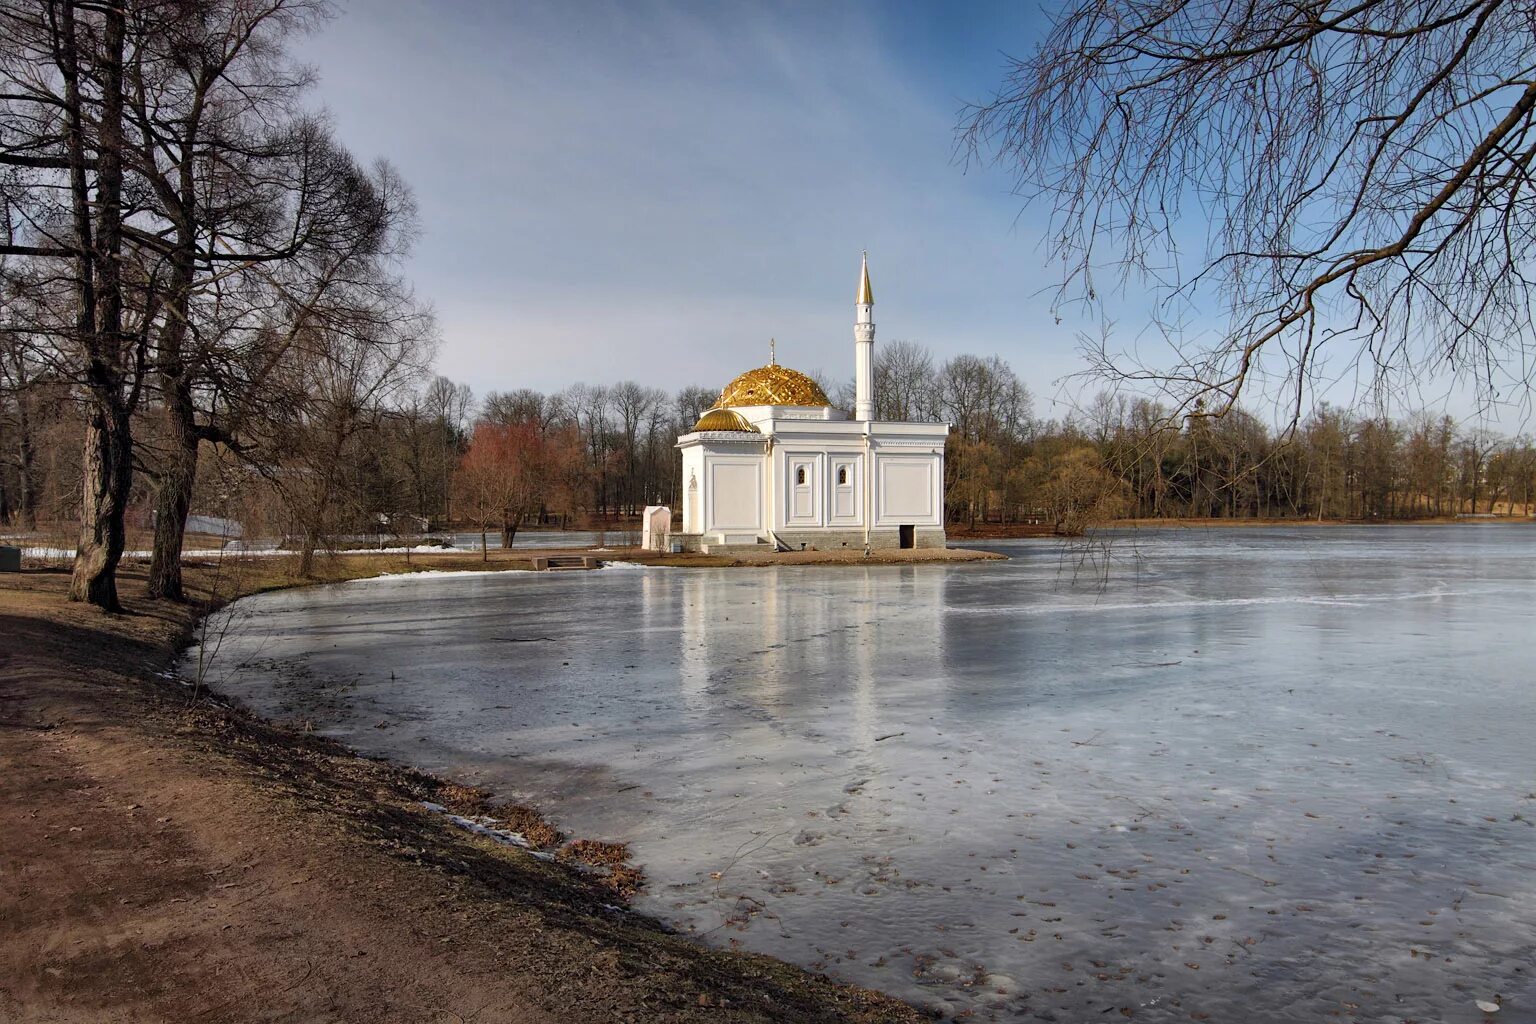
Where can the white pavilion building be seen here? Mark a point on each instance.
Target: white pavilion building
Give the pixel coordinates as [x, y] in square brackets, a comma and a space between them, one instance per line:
[773, 463]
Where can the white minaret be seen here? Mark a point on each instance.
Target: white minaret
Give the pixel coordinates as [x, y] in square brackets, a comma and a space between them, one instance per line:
[864, 349]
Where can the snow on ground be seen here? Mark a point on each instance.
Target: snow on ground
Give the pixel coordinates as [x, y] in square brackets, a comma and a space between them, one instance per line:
[236, 548]
[487, 827]
[428, 574]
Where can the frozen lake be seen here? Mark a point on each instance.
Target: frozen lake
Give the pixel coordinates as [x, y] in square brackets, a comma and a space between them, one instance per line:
[1254, 774]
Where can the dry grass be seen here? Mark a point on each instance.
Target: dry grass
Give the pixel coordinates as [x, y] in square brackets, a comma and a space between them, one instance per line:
[610, 861]
[595, 853]
[530, 824]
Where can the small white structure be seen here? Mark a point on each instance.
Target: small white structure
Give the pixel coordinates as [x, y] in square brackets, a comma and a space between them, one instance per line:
[772, 463]
[655, 527]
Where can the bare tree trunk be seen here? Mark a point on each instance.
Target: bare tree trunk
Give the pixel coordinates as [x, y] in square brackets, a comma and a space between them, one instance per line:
[178, 473]
[26, 468]
[103, 502]
[108, 457]
[314, 525]
[307, 550]
[173, 499]
[20, 505]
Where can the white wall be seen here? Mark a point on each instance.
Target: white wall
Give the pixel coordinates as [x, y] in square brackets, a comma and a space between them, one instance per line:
[733, 493]
[693, 490]
[821, 501]
[907, 489]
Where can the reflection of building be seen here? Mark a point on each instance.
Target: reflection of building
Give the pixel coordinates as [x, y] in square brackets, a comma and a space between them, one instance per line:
[849, 653]
[773, 463]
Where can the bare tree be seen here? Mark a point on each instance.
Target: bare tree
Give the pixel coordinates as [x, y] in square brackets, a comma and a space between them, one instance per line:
[430, 425]
[635, 407]
[693, 402]
[1080, 493]
[509, 471]
[1361, 174]
[983, 398]
[449, 404]
[207, 224]
[61, 138]
[1473, 456]
[246, 199]
[350, 361]
[906, 385]
[524, 405]
[21, 391]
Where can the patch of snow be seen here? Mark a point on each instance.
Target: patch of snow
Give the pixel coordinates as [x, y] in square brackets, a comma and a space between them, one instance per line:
[485, 827]
[430, 574]
[236, 547]
[419, 549]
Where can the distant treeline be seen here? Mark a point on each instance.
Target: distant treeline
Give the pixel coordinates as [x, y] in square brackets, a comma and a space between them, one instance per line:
[431, 454]
[1124, 456]
[1334, 464]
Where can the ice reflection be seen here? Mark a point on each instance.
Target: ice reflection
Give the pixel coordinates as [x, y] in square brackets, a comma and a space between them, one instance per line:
[1258, 775]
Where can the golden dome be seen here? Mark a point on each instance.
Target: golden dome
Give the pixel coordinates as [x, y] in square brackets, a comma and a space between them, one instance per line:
[772, 385]
[724, 419]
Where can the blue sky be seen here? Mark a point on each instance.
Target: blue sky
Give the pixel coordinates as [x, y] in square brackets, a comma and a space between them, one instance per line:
[651, 190]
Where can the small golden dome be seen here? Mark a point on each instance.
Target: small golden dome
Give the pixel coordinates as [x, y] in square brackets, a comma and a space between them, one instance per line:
[724, 419]
[772, 385]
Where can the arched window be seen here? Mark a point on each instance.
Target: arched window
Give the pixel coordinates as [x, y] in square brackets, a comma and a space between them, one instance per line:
[800, 475]
[842, 474]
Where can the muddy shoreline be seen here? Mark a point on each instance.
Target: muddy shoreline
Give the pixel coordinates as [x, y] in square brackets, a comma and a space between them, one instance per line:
[172, 858]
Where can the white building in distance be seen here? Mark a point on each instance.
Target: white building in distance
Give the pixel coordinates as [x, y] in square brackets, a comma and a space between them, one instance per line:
[773, 463]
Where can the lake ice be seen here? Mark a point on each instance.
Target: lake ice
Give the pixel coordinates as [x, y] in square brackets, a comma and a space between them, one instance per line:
[1257, 774]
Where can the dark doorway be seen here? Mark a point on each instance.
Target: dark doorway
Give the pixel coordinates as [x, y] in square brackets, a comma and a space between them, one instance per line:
[908, 536]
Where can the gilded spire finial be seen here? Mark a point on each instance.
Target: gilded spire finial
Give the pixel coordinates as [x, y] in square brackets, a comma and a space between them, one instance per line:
[866, 293]
[772, 361]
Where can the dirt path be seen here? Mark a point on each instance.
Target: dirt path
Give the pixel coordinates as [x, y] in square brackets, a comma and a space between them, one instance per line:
[164, 861]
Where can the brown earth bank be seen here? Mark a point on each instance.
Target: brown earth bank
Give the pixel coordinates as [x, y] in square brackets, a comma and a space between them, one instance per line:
[1008, 531]
[166, 858]
[1482, 519]
[999, 531]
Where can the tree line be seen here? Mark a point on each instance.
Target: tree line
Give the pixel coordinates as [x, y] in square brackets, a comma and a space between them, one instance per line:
[426, 454]
[1128, 456]
[188, 260]
[201, 308]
